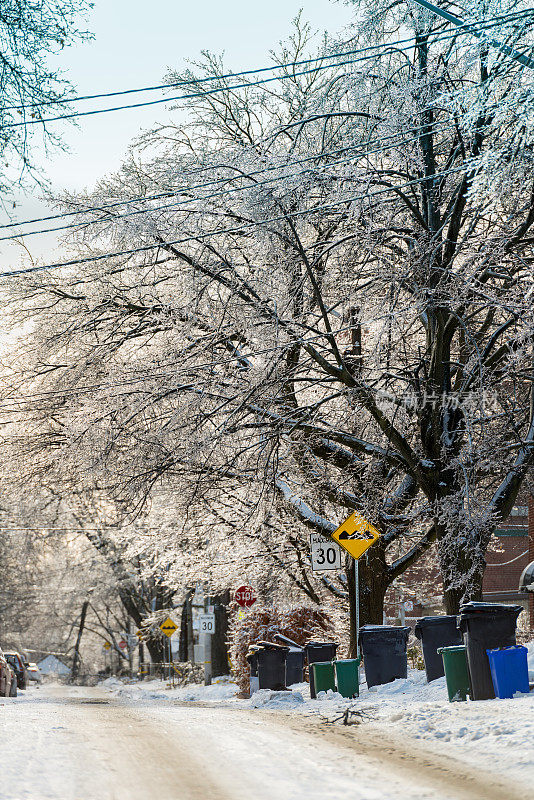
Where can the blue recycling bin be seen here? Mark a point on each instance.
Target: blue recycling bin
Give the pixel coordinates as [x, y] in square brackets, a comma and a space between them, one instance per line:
[509, 670]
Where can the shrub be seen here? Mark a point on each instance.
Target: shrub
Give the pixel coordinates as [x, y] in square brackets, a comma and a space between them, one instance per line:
[302, 624]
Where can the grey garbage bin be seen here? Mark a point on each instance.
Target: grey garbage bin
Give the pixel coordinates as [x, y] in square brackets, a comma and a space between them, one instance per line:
[486, 626]
[294, 660]
[384, 653]
[436, 632]
[272, 666]
[252, 658]
[319, 651]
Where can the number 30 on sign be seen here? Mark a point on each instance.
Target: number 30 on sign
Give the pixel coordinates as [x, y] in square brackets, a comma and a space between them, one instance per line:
[325, 554]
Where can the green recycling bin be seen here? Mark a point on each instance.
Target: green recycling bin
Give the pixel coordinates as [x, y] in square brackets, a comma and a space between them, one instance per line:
[456, 671]
[348, 677]
[324, 676]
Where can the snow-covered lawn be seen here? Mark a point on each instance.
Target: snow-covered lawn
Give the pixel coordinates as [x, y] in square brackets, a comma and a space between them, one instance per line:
[498, 734]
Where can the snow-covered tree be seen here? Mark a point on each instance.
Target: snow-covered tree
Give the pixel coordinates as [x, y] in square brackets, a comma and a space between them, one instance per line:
[30, 89]
[321, 303]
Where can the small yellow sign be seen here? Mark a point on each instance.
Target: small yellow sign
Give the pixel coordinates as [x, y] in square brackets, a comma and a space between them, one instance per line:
[356, 535]
[168, 627]
[106, 646]
[139, 635]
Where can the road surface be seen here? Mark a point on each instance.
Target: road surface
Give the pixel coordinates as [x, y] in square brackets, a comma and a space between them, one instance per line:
[78, 743]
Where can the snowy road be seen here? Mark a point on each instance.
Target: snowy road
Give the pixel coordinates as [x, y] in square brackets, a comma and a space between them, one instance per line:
[76, 743]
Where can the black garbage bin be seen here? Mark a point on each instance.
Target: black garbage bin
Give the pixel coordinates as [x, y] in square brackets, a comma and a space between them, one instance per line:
[272, 666]
[294, 660]
[319, 651]
[486, 626]
[384, 653]
[295, 666]
[436, 632]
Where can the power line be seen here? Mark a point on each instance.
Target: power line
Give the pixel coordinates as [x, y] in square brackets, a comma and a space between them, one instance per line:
[196, 81]
[207, 168]
[386, 48]
[225, 76]
[174, 192]
[239, 229]
[395, 141]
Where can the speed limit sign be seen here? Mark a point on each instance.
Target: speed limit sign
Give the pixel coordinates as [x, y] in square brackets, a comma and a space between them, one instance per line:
[207, 623]
[325, 554]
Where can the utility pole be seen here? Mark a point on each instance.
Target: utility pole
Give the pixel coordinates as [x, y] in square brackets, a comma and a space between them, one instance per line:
[206, 641]
[76, 658]
[141, 660]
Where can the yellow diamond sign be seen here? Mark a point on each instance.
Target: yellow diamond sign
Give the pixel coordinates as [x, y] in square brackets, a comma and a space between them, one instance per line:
[168, 627]
[106, 646]
[356, 535]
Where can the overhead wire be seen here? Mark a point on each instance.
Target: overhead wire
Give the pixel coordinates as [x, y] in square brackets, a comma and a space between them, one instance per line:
[395, 140]
[218, 232]
[388, 142]
[171, 192]
[495, 20]
[212, 167]
[386, 48]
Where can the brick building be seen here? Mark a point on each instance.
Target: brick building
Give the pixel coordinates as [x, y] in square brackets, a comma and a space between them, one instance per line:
[510, 551]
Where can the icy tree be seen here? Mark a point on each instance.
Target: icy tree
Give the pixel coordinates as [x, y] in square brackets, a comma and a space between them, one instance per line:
[30, 90]
[320, 303]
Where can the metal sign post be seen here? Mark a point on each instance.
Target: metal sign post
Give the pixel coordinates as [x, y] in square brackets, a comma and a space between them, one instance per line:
[357, 606]
[206, 629]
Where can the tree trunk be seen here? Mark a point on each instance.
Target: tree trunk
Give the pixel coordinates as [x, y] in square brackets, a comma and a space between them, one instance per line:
[454, 597]
[183, 653]
[373, 582]
[462, 567]
[219, 640]
[76, 659]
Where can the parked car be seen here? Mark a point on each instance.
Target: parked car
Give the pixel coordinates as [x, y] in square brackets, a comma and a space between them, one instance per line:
[17, 663]
[8, 680]
[33, 671]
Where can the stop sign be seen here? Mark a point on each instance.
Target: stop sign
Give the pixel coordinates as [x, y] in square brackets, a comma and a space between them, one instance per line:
[245, 596]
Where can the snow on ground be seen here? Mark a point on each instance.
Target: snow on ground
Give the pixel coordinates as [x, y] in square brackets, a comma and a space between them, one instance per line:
[487, 732]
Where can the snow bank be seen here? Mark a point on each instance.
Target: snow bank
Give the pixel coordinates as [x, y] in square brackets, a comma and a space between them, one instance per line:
[284, 701]
[486, 732]
[222, 690]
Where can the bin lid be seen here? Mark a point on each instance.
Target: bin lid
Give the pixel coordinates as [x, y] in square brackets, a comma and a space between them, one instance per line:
[436, 620]
[425, 622]
[476, 607]
[526, 581]
[273, 646]
[385, 628]
[321, 644]
[452, 648]
[287, 640]
[383, 633]
[512, 647]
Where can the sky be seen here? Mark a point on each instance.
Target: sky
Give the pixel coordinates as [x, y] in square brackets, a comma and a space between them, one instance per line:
[134, 44]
